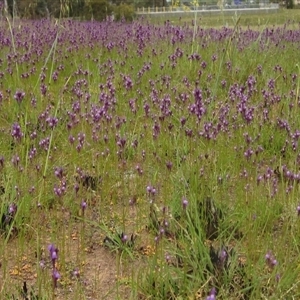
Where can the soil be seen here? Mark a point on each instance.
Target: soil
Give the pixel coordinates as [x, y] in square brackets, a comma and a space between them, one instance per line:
[91, 269]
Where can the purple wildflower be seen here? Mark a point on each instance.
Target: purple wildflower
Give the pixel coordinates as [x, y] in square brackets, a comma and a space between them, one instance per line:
[19, 96]
[223, 256]
[76, 188]
[42, 264]
[2, 160]
[298, 210]
[212, 294]
[271, 260]
[16, 131]
[52, 122]
[169, 165]
[76, 273]
[12, 209]
[59, 172]
[55, 276]
[151, 190]
[53, 251]
[15, 160]
[184, 203]
[168, 258]
[83, 206]
[124, 238]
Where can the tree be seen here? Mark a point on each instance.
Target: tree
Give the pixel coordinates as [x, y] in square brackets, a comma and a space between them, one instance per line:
[118, 2]
[124, 11]
[41, 9]
[289, 4]
[32, 9]
[54, 7]
[97, 9]
[152, 3]
[77, 8]
[11, 7]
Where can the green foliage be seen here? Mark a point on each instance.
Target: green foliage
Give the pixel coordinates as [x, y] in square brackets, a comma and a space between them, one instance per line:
[152, 3]
[41, 9]
[124, 11]
[290, 4]
[97, 10]
[118, 2]
[77, 8]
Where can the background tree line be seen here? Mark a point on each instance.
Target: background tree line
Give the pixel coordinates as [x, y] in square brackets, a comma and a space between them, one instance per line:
[82, 9]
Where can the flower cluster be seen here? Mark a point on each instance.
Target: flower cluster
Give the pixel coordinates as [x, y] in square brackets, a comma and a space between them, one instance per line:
[53, 252]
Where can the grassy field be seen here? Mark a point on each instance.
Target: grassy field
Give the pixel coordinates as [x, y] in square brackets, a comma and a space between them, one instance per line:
[255, 20]
[150, 161]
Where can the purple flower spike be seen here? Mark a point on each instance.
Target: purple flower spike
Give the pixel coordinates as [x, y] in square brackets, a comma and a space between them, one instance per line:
[76, 188]
[12, 209]
[151, 190]
[124, 238]
[19, 96]
[42, 264]
[76, 273]
[223, 256]
[59, 172]
[212, 294]
[52, 122]
[298, 210]
[169, 165]
[53, 251]
[54, 255]
[15, 160]
[271, 260]
[16, 132]
[168, 258]
[184, 203]
[55, 276]
[83, 206]
[2, 160]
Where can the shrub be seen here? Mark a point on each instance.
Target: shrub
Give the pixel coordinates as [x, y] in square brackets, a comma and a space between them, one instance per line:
[290, 4]
[98, 10]
[124, 11]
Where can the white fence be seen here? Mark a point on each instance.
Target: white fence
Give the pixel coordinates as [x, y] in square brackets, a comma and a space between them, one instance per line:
[217, 7]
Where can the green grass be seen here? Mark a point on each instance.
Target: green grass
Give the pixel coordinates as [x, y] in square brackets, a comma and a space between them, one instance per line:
[255, 20]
